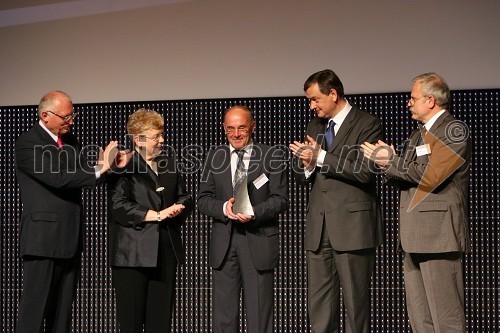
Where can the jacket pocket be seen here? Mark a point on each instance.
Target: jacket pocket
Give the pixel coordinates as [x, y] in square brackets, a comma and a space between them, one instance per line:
[270, 231]
[359, 206]
[438, 206]
[44, 217]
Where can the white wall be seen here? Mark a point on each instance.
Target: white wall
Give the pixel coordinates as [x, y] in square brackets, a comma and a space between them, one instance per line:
[253, 48]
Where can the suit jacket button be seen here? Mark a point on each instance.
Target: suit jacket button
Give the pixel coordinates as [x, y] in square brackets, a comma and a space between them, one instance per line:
[324, 191]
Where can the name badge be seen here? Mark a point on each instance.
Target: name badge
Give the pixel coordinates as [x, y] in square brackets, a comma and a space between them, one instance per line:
[423, 150]
[261, 180]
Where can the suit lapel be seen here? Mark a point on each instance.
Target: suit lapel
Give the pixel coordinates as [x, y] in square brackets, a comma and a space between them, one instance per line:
[441, 120]
[255, 164]
[222, 160]
[318, 132]
[69, 156]
[412, 154]
[416, 139]
[165, 177]
[148, 176]
[344, 130]
[44, 137]
[145, 169]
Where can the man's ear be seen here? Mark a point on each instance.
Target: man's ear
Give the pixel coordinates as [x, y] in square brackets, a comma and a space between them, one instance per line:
[431, 100]
[44, 116]
[333, 94]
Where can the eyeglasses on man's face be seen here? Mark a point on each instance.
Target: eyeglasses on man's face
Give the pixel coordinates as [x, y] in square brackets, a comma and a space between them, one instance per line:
[65, 118]
[413, 100]
[241, 129]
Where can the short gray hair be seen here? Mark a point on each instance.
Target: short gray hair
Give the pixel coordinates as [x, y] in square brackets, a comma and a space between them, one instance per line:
[434, 85]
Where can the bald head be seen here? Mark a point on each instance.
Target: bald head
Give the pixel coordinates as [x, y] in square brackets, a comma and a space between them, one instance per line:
[55, 110]
[239, 124]
[50, 99]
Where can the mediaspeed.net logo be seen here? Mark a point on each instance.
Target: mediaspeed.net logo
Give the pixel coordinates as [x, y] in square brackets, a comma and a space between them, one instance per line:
[444, 160]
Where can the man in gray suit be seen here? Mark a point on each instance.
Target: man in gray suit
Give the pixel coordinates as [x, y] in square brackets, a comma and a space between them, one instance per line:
[343, 220]
[433, 177]
[244, 246]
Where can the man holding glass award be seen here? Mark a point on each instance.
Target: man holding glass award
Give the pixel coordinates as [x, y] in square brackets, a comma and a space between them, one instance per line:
[243, 188]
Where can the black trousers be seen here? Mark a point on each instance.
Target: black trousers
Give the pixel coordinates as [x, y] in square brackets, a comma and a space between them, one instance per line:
[49, 287]
[239, 273]
[145, 295]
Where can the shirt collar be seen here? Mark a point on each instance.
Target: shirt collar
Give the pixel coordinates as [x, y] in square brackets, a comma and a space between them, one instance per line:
[340, 117]
[248, 148]
[431, 121]
[52, 135]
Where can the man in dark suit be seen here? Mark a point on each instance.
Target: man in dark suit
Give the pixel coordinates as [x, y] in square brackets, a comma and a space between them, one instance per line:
[433, 177]
[244, 246]
[343, 219]
[51, 173]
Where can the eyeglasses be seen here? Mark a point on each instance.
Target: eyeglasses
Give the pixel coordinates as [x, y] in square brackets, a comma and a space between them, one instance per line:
[242, 130]
[65, 118]
[155, 138]
[413, 100]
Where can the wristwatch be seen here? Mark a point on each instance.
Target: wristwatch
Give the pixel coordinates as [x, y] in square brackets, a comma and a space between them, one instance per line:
[158, 216]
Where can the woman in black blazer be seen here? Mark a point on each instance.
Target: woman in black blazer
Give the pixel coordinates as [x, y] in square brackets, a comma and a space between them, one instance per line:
[148, 204]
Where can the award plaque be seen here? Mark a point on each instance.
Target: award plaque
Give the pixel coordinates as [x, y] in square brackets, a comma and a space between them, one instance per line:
[242, 202]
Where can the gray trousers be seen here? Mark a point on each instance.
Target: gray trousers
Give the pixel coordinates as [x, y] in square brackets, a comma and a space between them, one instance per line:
[434, 288]
[328, 270]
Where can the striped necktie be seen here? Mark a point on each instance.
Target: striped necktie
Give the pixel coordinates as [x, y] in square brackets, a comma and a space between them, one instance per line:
[240, 172]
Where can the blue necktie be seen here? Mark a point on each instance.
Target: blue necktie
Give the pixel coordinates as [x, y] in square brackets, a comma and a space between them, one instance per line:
[329, 134]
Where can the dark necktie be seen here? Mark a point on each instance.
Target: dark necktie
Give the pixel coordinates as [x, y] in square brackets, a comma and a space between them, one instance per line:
[410, 147]
[59, 142]
[329, 134]
[240, 172]
[421, 135]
